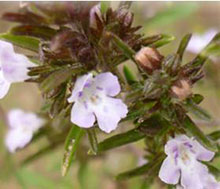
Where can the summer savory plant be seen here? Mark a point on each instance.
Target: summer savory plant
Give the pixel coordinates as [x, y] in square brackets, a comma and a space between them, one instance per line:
[76, 49]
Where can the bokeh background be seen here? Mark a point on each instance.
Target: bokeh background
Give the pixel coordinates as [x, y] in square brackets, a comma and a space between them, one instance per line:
[175, 18]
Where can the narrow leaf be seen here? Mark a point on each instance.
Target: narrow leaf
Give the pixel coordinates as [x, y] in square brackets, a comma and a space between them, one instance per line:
[129, 76]
[197, 98]
[127, 50]
[93, 141]
[214, 170]
[142, 110]
[55, 79]
[213, 48]
[71, 144]
[146, 169]
[25, 42]
[197, 111]
[120, 140]
[34, 31]
[155, 125]
[215, 135]
[194, 131]
[183, 44]
[165, 39]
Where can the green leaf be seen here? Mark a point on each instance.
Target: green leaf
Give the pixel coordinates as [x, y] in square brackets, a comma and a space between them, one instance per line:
[34, 31]
[215, 135]
[214, 170]
[129, 76]
[197, 98]
[183, 44]
[120, 140]
[147, 169]
[93, 141]
[156, 125]
[197, 111]
[126, 49]
[142, 110]
[104, 6]
[165, 39]
[172, 14]
[71, 144]
[25, 42]
[55, 79]
[213, 48]
[190, 127]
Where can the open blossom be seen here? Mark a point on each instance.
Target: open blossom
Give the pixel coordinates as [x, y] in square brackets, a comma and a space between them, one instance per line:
[93, 100]
[198, 42]
[183, 161]
[22, 126]
[13, 67]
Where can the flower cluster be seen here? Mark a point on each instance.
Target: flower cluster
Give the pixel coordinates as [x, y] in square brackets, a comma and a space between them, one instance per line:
[78, 49]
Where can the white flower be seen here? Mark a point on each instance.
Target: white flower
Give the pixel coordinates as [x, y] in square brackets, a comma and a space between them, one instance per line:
[198, 42]
[183, 160]
[22, 126]
[93, 99]
[13, 67]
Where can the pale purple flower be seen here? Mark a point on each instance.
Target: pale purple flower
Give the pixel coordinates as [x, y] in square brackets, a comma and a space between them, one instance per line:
[13, 67]
[183, 163]
[93, 100]
[22, 126]
[198, 42]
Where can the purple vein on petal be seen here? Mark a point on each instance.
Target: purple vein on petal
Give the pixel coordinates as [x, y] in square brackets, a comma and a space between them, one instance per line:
[176, 154]
[80, 94]
[99, 88]
[85, 104]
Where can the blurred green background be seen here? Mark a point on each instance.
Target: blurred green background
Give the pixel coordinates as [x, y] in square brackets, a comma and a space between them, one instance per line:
[175, 18]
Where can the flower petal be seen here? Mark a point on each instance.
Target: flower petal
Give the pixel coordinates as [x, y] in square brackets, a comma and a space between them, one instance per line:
[211, 182]
[198, 42]
[194, 176]
[82, 116]
[109, 113]
[17, 138]
[4, 86]
[78, 87]
[5, 46]
[24, 120]
[14, 66]
[169, 172]
[109, 83]
[202, 153]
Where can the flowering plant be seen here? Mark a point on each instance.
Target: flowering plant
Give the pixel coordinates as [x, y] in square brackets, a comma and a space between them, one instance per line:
[77, 49]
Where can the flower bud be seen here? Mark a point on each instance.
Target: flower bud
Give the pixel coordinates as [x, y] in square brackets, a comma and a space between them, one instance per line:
[149, 59]
[125, 17]
[95, 16]
[181, 89]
